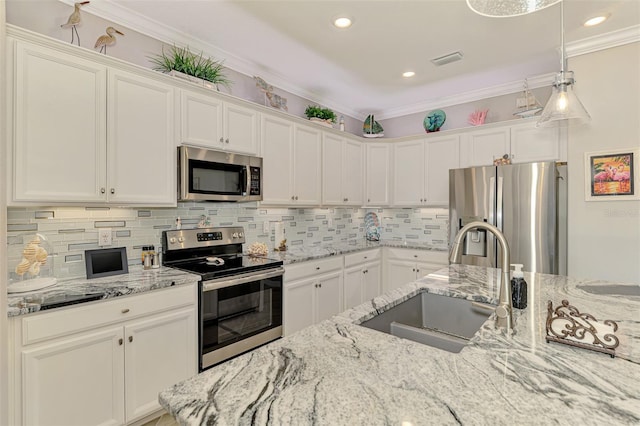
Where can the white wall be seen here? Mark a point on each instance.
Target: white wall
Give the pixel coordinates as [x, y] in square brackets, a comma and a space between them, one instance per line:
[604, 236]
[3, 231]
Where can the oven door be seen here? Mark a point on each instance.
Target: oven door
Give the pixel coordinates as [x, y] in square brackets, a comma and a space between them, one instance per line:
[238, 314]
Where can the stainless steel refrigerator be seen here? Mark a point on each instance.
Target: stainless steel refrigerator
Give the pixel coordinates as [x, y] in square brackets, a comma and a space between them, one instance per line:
[527, 202]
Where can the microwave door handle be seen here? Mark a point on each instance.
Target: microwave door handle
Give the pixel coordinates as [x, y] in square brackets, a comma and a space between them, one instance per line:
[245, 176]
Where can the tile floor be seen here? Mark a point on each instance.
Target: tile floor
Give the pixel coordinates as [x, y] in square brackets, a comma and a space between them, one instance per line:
[164, 420]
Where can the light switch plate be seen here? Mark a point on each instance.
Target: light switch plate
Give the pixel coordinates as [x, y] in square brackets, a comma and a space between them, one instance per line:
[104, 237]
[265, 227]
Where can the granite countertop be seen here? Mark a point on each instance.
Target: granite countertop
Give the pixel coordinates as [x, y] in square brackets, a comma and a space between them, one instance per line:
[303, 254]
[81, 290]
[338, 372]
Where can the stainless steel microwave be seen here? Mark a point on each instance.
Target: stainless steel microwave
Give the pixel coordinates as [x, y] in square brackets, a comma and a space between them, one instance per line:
[208, 175]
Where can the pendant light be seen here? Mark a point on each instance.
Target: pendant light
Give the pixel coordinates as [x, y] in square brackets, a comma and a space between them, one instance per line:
[563, 107]
[507, 8]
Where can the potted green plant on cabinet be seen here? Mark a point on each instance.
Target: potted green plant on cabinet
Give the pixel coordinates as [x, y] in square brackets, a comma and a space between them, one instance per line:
[323, 116]
[182, 63]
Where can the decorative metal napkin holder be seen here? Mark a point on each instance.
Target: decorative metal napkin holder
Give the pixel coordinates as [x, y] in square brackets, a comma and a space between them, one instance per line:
[566, 325]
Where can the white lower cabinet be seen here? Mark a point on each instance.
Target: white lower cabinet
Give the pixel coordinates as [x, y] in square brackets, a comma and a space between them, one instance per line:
[403, 266]
[312, 293]
[362, 277]
[105, 375]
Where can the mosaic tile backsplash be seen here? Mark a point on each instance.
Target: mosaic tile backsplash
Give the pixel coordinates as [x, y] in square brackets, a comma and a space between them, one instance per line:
[72, 230]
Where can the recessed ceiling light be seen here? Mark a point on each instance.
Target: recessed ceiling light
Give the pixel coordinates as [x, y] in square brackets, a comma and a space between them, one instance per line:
[408, 74]
[342, 22]
[595, 20]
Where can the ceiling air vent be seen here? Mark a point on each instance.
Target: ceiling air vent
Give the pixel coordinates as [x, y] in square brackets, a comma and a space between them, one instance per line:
[446, 59]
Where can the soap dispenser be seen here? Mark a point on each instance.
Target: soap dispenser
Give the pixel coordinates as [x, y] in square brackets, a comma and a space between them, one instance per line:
[518, 287]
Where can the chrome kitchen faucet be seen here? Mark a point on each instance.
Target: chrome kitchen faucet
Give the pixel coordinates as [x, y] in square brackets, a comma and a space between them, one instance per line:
[504, 318]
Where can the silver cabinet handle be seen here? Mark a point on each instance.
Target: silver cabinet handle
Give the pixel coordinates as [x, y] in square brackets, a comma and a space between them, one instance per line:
[125, 310]
[102, 190]
[113, 190]
[130, 339]
[120, 342]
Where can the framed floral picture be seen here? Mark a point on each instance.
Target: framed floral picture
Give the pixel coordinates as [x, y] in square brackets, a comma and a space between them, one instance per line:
[612, 175]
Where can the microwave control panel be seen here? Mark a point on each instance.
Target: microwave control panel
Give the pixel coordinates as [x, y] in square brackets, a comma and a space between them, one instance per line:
[254, 188]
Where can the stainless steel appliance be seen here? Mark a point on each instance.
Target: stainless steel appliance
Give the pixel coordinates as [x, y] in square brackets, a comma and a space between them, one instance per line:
[240, 297]
[208, 175]
[527, 202]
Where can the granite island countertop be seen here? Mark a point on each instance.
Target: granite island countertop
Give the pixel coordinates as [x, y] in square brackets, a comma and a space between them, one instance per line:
[338, 372]
[73, 291]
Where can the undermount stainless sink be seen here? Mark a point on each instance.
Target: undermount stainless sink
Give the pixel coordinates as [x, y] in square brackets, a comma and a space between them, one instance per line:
[443, 322]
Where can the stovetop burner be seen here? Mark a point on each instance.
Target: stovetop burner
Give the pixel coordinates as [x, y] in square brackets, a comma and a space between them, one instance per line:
[195, 250]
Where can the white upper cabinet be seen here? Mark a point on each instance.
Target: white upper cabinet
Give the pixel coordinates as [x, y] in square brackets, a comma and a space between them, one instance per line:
[522, 142]
[59, 146]
[408, 173]
[141, 148]
[378, 174]
[207, 121]
[90, 133]
[240, 129]
[342, 171]
[291, 162]
[443, 153]
[201, 120]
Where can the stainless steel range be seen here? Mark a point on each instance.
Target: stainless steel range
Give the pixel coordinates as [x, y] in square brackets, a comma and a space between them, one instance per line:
[240, 298]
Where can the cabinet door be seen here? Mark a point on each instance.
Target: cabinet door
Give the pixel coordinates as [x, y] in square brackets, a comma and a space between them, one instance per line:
[299, 305]
[399, 272]
[530, 143]
[277, 146]
[159, 352]
[408, 173]
[423, 269]
[442, 154]
[484, 146]
[59, 151]
[141, 160]
[353, 283]
[332, 170]
[352, 173]
[201, 120]
[372, 281]
[328, 296]
[240, 128]
[377, 174]
[306, 165]
[77, 381]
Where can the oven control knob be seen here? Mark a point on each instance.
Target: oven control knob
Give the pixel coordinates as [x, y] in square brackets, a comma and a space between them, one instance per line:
[172, 240]
[240, 235]
[234, 235]
[180, 239]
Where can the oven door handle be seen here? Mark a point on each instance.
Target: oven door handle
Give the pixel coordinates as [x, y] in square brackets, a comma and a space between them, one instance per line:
[242, 279]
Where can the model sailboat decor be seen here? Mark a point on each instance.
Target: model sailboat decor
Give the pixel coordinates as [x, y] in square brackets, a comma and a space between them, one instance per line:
[527, 105]
[371, 128]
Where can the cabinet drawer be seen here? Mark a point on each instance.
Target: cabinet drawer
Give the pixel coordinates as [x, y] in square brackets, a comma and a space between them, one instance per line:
[47, 325]
[312, 267]
[361, 257]
[427, 256]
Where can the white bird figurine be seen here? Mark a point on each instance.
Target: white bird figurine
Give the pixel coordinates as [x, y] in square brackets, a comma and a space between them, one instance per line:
[74, 20]
[107, 40]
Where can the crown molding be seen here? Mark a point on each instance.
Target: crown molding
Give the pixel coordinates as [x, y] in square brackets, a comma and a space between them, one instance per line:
[604, 41]
[151, 28]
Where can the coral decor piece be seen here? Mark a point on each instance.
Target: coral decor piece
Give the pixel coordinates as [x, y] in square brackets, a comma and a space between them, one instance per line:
[275, 101]
[478, 117]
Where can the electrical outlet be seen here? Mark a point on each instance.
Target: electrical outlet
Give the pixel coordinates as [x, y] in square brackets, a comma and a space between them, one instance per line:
[104, 237]
[265, 227]
[330, 222]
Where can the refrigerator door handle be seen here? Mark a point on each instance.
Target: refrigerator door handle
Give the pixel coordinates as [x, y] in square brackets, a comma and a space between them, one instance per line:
[492, 206]
[499, 204]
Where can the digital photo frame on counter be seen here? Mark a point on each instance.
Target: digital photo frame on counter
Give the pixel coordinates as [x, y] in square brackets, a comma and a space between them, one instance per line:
[106, 262]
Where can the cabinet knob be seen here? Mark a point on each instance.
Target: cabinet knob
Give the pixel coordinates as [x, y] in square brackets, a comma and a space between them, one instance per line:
[113, 190]
[293, 197]
[226, 140]
[125, 310]
[296, 198]
[317, 268]
[320, 285]
[102, 190]
[130, 339]
[221, 140]
[413, 269]
[120, 342]
[415, 255]
[417, 270]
